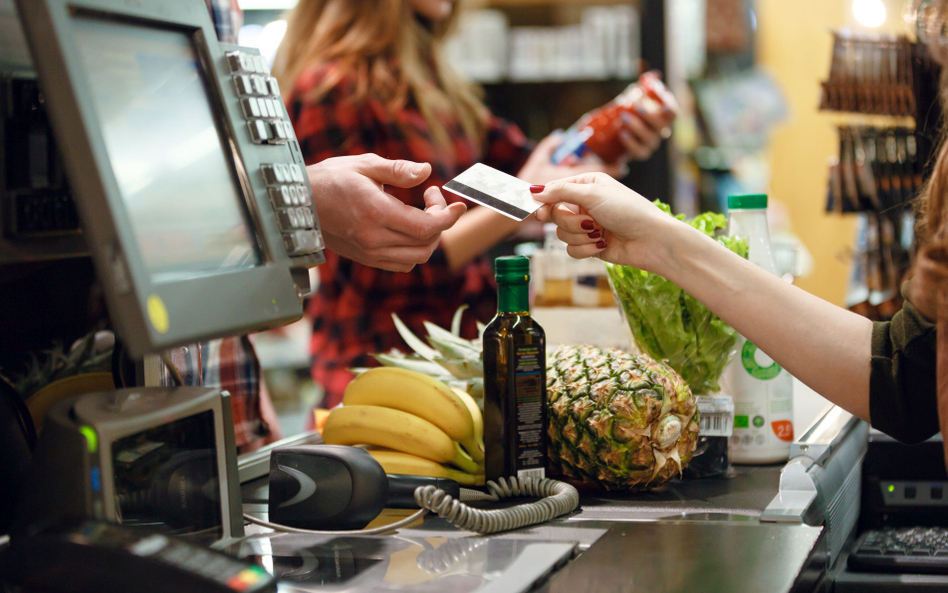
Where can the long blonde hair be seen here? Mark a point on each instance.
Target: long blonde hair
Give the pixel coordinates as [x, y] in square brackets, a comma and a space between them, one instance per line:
[390, 54]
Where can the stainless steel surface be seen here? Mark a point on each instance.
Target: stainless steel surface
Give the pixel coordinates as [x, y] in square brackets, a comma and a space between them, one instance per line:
[683, 557]
[401, 563]
[256, 464]
[821, 485]
[825, 434]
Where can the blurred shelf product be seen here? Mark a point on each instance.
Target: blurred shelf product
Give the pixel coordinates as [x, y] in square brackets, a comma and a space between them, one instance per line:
[871, 75]
[605, 44]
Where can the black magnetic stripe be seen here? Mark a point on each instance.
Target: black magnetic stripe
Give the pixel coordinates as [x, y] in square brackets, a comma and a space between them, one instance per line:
[486, 199]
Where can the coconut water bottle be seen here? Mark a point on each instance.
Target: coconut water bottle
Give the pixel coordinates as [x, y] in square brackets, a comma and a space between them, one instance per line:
[761, 388]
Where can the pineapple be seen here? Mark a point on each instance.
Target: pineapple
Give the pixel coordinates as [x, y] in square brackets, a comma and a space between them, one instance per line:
[621, 421]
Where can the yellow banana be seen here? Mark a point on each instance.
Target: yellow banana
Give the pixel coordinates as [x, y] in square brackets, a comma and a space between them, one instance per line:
[420, 395]
[475, 413]
[396, 462]
[394, 429]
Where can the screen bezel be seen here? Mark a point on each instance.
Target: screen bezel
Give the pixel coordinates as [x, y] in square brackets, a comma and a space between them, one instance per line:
[225, 303]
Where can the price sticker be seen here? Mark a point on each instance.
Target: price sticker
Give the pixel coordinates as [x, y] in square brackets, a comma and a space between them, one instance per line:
[717, 415]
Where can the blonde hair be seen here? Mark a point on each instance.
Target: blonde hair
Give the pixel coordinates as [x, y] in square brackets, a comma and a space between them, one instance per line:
[388, 52]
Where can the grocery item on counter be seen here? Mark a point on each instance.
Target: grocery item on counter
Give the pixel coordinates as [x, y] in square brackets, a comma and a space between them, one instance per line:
[595, 387]
[616, 420]
[514, 379]
[421, 396]
[761, 388]
[598, 131]
[395, 429]
[396, 462]
[669, 324]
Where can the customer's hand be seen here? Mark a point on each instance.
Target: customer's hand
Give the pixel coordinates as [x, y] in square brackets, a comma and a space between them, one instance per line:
[363, 223]
[642, 134]
[539, 168]
[599, 217]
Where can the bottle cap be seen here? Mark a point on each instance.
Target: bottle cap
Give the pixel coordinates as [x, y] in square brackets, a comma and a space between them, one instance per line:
[513, 269]
[747, 202]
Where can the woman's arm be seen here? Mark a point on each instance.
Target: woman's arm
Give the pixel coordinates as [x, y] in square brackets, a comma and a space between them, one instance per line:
[826, 347]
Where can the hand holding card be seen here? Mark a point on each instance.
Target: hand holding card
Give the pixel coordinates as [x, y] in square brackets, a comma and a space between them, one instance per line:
[498, 191]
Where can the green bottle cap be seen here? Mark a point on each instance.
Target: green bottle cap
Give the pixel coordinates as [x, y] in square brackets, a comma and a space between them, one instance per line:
[747, 202]
[514, 269]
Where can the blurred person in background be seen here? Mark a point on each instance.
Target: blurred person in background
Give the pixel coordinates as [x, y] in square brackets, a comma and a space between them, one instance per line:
[369, 76]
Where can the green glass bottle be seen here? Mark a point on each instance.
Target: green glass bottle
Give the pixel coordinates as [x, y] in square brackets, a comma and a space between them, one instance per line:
[514, 379]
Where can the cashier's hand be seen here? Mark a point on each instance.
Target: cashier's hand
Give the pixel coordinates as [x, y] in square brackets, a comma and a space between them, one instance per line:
[600, 217]
[363, 223]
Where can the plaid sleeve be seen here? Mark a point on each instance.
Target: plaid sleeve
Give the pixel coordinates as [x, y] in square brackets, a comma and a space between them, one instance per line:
[231, 364]
[506, 148]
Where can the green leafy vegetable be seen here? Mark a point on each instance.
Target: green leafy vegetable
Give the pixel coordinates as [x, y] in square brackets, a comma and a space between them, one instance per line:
[668, 324]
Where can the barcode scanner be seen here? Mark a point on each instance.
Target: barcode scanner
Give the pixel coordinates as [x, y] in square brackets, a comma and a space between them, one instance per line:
[332, 487]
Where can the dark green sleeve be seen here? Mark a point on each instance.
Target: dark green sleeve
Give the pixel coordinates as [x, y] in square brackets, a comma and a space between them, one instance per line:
[902, 398]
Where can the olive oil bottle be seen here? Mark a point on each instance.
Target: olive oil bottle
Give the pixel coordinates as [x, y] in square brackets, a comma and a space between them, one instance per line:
[514, 379]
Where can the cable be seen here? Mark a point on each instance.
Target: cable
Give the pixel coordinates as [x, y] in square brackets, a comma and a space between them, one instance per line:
[556, 498]
[375, 531]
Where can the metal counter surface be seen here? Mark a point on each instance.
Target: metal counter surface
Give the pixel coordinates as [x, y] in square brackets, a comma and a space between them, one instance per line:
[701, 535]
[741, 497]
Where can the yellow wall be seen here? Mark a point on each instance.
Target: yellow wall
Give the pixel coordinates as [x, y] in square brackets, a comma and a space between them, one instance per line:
[794, 46]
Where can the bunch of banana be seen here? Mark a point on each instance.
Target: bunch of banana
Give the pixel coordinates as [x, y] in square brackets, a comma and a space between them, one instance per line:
[420, 423]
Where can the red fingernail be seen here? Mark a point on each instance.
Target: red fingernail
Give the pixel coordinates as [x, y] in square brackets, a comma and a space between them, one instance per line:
[588, 225]
[595, 234]
[601, 245]
[536, 189]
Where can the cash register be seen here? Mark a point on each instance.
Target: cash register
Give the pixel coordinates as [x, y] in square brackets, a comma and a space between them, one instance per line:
[129, 134]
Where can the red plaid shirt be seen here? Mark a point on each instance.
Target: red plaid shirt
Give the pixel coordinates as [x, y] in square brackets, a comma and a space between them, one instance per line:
[352, 310]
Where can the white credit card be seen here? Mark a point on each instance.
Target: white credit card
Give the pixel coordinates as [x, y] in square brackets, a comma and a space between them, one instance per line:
[496, 190]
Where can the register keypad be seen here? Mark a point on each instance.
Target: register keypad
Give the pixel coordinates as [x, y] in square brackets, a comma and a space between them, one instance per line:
[260, 99]
[290, 198]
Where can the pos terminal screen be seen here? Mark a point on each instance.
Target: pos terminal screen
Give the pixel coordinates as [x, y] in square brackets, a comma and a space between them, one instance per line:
[166, 150]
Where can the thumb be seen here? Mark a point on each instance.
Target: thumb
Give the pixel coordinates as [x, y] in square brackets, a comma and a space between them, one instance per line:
[387, 172]
[548, 145]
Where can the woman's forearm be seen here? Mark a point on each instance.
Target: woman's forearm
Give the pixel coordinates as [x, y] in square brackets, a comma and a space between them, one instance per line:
[824, 346]
[477, 231]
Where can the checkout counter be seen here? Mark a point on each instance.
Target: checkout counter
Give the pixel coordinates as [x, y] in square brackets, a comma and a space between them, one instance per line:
[124, 85]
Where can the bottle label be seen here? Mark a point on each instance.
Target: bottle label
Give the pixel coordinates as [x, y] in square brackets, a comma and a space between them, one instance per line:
[716, 415]
[757, 364]
[530, 390]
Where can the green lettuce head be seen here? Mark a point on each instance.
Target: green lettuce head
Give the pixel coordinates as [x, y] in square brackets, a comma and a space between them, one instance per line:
[668, 324]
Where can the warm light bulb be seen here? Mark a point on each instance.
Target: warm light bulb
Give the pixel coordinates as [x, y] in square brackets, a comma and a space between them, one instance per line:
[869, 13]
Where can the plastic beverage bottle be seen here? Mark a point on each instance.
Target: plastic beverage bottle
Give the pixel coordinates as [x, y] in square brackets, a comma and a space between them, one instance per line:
[761, 388]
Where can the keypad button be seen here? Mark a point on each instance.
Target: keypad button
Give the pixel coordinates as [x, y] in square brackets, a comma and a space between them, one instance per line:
[246, 62]
[278, 132]
[259, 131]
[276, 196]
[233, 62]
[287, 196]
[304, 196]
[260, 86]
[270, 174]
[310, 219]
[260, 65]
[244, 85]
[289, 241]
[250, 107]
[274, 87]
[277, 107]
[285, 175]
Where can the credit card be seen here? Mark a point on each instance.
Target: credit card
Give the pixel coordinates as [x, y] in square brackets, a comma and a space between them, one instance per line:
[496, 190]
